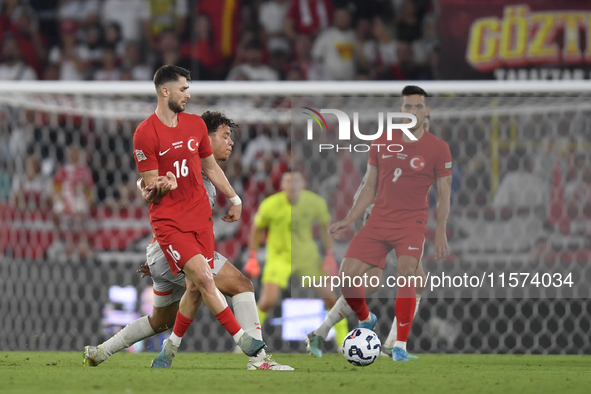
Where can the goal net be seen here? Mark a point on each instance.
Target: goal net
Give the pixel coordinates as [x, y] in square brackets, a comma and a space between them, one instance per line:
[72, 236]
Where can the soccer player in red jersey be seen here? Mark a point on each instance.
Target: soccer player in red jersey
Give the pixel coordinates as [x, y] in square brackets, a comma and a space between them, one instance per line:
[172, 141]
[399, 217]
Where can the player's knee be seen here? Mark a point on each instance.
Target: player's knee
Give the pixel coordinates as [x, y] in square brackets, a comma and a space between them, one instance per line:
[194, 294]
[407, 266]
[244, 284]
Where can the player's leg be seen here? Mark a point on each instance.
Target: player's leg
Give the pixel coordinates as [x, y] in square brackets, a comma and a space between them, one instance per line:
[231, 282]
[275, 277]
[168, 290]
[341, 309]
[409, 246]
[199, 276]
[269, 294]
[389, 342]
[330, 299]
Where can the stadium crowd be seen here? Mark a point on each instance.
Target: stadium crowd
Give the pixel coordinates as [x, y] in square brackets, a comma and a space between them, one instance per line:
[262, 40]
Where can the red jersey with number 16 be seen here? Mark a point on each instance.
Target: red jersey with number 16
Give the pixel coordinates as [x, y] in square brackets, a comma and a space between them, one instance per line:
[404, 178]
[178, 150]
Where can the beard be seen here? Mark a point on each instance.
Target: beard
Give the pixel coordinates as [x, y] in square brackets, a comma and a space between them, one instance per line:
[175, 106]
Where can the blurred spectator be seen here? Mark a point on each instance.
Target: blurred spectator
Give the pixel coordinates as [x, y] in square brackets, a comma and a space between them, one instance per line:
[164, 15]
[81, 11]
[73, 189]
[93, 42]
[406, 68]
[279, 63]
[134, 63]
[335, 48]
[424, 47]
[272, 15]
[47, 11]
[71, 57]
[30, 42]
[521, 187]
[113, 39]
[167, 50]
[225, 18]
[206, 59]
[381, 54]
[308, 17]
[12, 68]
[253, 69]
[129, 14]
[109, 70]
[408, 24]
[31, 191]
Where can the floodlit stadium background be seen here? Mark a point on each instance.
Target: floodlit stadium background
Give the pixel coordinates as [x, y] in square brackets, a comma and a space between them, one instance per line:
[69, 280]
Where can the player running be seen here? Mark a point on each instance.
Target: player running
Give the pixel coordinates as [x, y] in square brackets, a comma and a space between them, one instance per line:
[289, 217]
[170, 140]
[169, 288]
[399, 217]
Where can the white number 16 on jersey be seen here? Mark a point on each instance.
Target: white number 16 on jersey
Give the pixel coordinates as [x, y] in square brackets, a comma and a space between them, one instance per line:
[397, 173]
[181, 168]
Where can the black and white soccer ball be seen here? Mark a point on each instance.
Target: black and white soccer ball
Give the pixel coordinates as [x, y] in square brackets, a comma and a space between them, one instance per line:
[362, 347]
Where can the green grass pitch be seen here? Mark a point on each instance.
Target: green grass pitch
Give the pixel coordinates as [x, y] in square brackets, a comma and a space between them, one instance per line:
[63, 372]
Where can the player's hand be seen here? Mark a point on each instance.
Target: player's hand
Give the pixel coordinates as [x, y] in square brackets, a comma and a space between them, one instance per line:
[441, 248]
[252, 269]
[149, 193]
[144, 270]
[330, 266]
[233, 214]
[166, 183]
[336, 229]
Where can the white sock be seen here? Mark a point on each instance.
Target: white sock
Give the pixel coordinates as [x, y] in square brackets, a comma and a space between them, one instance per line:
[394, 329]
[400, 344]
[339, 311]
[175, 339]
[134, 332]
[245, 310]
[238, 335]
[247, 315]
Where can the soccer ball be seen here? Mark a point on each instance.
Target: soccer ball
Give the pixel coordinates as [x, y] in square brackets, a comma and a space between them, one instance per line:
[362, 347]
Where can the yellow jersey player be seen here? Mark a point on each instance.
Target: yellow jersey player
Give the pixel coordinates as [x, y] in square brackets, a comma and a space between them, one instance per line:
[289, 217]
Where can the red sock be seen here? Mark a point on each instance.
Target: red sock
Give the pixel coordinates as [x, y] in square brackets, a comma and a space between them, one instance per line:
[404, 308]
[228, 320]
[181, 325]
[355, 297]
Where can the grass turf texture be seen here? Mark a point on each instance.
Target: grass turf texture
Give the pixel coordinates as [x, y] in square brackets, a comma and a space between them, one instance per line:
[62, 372]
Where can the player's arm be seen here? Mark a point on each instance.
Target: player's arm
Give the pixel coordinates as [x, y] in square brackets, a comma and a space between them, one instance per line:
[252, 267]
[153, 187]
[154, 192]
[365, 198]
[443, 206]
[219, 180]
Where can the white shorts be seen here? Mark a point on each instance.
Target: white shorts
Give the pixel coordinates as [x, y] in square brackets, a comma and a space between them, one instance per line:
[169, 288]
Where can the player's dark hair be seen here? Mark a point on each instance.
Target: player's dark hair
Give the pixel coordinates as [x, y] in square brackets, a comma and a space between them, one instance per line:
[213, 120]
[167, 74]
[411, 90]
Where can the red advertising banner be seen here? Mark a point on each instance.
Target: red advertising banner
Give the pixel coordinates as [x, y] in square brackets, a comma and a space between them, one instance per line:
[508, 39]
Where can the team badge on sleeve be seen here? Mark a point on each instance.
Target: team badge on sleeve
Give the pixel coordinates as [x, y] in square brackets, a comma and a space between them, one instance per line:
[139, 154]
[447, 165]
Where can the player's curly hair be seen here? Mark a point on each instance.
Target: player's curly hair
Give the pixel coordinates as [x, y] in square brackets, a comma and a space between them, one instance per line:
[214, 119]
